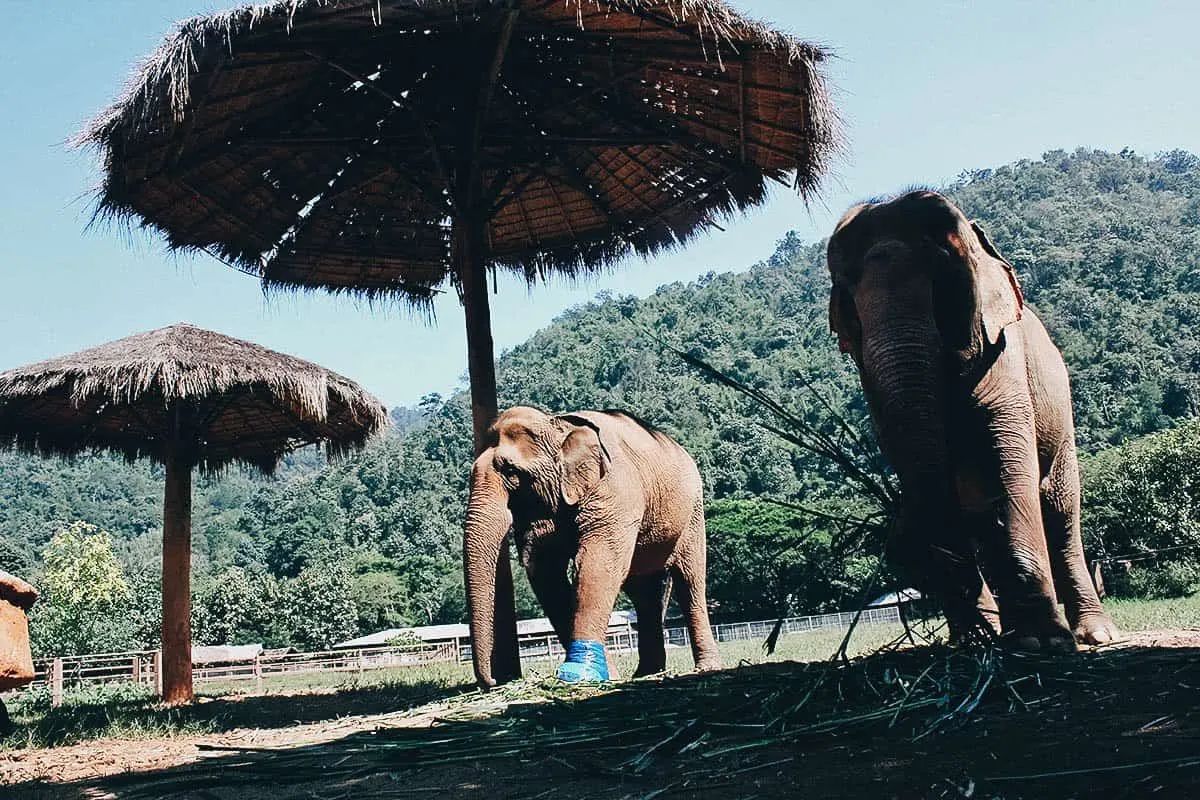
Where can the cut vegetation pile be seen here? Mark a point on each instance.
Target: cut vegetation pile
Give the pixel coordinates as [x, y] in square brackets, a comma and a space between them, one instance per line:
[918, 722]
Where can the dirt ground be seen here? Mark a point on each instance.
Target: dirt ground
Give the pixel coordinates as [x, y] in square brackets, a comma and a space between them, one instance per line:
[1118, 722]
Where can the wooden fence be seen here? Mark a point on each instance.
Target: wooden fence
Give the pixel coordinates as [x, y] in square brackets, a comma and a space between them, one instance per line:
[145, 666]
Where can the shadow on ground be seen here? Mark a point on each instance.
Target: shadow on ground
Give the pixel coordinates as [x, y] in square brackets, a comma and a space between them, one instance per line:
[925, 722]
[74, 723]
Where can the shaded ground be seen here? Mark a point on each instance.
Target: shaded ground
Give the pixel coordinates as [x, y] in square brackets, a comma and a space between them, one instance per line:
[127, 712]
[140, 719]
[925, 722]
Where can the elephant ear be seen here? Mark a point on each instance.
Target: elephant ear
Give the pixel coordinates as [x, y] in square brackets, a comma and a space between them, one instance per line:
[843, 320]
[583, 461]
[976, 295]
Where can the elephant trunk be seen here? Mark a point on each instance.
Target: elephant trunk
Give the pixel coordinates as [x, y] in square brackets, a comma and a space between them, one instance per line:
[905, 384]
[488, 574]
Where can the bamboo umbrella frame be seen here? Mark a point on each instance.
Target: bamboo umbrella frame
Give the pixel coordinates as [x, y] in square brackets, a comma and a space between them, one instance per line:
[188, 399]
[384, 147]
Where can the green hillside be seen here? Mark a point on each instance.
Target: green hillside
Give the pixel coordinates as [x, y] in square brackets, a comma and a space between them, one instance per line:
[1108, 250]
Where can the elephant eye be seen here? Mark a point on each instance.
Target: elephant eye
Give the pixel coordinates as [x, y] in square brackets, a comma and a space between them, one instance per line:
[507, 469]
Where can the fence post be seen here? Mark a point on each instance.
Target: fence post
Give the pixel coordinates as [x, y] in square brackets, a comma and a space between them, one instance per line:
[56, 682]
[158, 676]
[360, 662]
[137, 668]
[258, 680]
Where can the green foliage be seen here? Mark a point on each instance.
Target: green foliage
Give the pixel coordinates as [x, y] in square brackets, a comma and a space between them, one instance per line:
[317, 607]
[405, 639]
[84, 595]
[1107, 247]
[237, 607]
[1142, 515]
[81, 570]
[766, 560]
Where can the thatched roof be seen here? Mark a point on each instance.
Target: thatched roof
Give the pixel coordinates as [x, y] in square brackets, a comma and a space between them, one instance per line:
[311, 142]
[240, 402]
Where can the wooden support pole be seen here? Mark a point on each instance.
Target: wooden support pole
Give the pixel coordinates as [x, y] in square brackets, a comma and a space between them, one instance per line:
[176, 672]
[481, 357]
[56, 682]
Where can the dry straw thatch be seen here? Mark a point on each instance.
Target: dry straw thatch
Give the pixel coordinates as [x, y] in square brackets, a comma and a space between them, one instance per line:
[317, 143]
[243, 402]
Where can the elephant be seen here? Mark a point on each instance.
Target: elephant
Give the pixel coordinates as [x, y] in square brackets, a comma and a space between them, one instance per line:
[971, 403]
[601, 488]
[16, 661]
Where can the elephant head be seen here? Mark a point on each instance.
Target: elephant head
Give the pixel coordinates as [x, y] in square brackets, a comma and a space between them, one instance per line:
[922, 247]
[921, 300]
[535, 468]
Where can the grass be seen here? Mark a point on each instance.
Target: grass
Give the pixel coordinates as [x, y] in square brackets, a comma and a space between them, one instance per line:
[439, 674]
[1149, 615]
[128, 712]
[931, 722]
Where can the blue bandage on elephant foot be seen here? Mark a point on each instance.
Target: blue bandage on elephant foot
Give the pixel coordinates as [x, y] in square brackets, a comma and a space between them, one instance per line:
[585, 662]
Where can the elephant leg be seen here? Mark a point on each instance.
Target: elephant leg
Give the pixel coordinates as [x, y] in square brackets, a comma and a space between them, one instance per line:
[689, 572]
[601, 563]
[981, 528]
[547, 569]
[650, 594]
[1021, 561]
[1060, 514]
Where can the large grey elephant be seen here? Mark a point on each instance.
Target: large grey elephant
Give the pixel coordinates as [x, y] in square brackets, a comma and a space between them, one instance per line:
[972, 406]
[622, 500]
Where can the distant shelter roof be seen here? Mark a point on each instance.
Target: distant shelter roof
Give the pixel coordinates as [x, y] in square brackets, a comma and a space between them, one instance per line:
[246, 403]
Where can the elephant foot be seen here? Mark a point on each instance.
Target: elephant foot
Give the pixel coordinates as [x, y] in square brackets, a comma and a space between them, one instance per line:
[586, 661]
[645, 668]
[1097, 628]
[1046, 638]
[980, 628]
[709, 664]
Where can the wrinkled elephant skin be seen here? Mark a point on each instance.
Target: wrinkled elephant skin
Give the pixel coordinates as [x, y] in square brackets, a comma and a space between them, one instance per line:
[16, 660]
[972, 406]
[603, 490]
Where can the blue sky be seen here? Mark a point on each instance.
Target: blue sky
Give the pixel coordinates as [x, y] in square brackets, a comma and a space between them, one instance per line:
[927, 89]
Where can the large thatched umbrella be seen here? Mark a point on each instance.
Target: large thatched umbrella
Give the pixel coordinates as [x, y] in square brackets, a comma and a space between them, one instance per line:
[185, 398]
[383, 147]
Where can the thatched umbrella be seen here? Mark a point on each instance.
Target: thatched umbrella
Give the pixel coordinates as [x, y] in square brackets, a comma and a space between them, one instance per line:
[184, 397]
[383, 147]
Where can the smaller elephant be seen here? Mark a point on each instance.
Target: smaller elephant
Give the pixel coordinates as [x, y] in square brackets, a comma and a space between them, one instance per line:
[602, 489]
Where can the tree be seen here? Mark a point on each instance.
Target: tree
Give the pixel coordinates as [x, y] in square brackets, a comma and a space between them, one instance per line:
[766, 560]
[317, 607]
[84, 595]
[1106, 246]
[380, 594]
[1142, 513]
[236, 607]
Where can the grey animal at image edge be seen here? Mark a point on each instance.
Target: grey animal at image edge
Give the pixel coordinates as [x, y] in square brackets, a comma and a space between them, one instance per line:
[600, 487]
[971, 402]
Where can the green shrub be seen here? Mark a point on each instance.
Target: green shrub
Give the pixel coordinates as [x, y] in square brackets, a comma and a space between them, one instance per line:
[1143, 499]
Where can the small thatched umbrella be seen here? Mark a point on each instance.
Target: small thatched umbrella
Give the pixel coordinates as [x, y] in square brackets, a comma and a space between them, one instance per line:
[184, 397]
[382, 147]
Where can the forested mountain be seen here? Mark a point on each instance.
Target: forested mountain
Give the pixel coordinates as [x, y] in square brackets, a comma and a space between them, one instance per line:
[1108, 250]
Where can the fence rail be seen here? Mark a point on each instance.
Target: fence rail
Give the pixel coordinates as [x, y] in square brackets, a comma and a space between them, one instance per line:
[145, 666]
